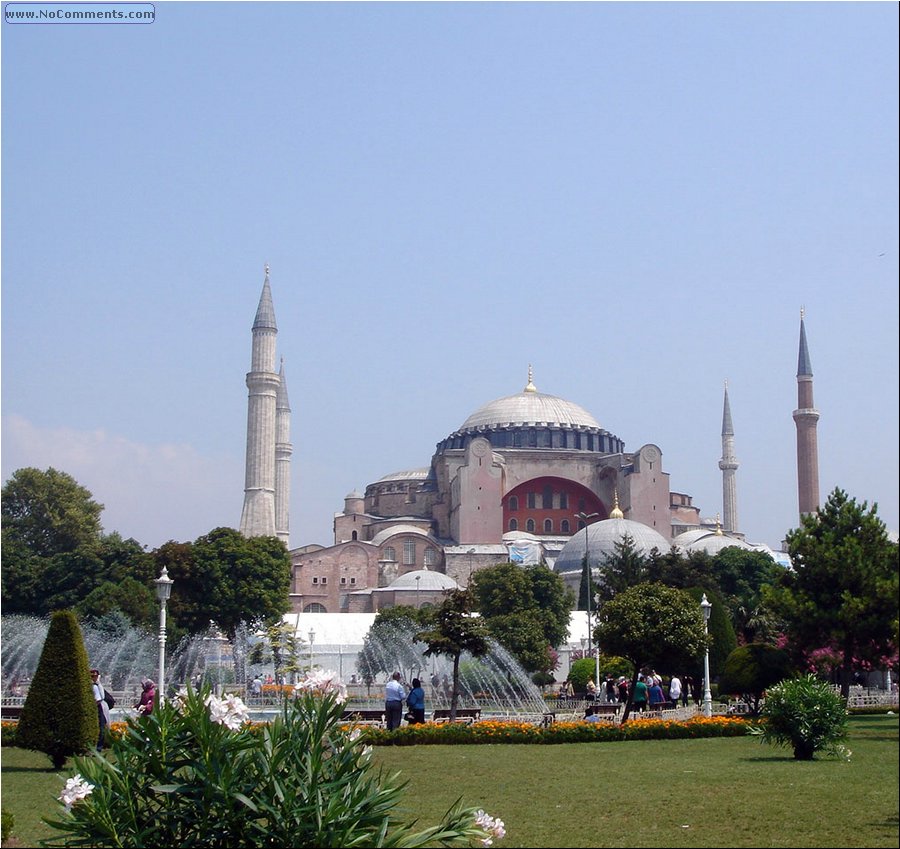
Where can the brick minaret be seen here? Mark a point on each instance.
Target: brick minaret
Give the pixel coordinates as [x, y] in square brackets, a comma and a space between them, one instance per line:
[806, 417]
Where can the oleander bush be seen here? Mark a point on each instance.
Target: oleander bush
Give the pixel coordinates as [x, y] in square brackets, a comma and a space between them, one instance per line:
[196, 773]
[805, 714]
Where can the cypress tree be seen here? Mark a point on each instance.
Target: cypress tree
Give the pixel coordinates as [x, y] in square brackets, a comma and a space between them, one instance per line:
[59, 717]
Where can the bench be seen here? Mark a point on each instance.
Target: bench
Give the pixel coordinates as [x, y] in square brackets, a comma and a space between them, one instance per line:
[11, 712]
[467, 715]
[362, 715]
[605, 709]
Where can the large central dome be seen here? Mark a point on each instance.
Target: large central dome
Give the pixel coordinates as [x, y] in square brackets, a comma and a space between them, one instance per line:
[529, 407]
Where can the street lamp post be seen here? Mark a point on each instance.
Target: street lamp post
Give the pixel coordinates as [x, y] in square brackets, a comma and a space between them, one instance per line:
[418, 578]
[706, 607]
[470, 552]
[597, 652]
[312, 639]
[584, 518]
[163, 592]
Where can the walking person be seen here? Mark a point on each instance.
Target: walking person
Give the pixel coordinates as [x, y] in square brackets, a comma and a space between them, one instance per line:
[102, 706]
[674, 689]
[415, 701]
[394, 694]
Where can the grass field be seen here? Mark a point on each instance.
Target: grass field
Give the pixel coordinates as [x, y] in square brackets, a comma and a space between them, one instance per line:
[667, 793]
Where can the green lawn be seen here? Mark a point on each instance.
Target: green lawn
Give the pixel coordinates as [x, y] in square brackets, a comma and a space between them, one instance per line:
[672, 793]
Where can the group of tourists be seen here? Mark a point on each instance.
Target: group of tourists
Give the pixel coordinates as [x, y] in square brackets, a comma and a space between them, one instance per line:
[651, 692]
[395, 694]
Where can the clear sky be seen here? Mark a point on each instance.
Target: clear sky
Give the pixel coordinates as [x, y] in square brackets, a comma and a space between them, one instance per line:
[636, 198]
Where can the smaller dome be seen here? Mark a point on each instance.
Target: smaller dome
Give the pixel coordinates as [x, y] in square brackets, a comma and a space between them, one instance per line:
[709, 541]
[427, 580]
[602, 538]
[354, 494]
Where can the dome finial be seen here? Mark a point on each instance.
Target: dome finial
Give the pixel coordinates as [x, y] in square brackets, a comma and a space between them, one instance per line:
[719, 525]
[530, 387]
[616, 513]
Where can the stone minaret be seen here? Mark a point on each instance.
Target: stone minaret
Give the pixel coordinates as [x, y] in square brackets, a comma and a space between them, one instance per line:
[728, 464]
[806, 417]
[258, 516]
[283, 451]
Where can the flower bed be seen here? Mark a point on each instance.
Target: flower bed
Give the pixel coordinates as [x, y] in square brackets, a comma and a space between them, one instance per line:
[492, 731]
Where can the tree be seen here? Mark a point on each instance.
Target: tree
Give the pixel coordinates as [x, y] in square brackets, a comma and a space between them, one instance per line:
[279, 645]
[226, 578]
[750, 670]
[524, 608]
[843, 588]
[59, 717]
[650, 624]
[454, 630]
[49, 511]
[625, 568]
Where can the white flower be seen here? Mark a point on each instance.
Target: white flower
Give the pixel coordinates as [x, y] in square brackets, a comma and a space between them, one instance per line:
[230, 711]
[324, 682]
[494, 828]
[75, 790]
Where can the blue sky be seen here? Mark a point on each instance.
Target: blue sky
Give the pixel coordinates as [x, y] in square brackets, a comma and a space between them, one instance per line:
[636, 198]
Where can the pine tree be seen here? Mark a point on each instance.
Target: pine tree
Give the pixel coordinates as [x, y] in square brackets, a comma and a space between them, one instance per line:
[59, 717]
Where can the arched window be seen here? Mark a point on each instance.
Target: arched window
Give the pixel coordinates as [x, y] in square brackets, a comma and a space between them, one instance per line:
[514, 524]
[355, 535]
[315, 607]
[389, 554]
[564, 526]
[529, 526]
[548, 526]
[430, 557]
[547, 498]
[514, 504]
[409, 552]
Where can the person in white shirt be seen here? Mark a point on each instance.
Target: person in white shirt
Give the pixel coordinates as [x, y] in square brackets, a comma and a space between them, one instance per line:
[675, 689]
[102, 706]
[394, 694]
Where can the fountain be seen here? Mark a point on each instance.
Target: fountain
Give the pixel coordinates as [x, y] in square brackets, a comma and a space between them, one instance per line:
[122, 652]
[495, 682]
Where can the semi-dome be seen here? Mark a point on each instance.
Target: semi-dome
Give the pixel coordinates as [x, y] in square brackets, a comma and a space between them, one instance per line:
[712, 542]
[393, 530]
[423, 579]
[405, 475]
[602, 538]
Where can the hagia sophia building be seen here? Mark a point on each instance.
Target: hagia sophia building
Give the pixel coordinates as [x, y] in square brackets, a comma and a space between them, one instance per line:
[526, 478]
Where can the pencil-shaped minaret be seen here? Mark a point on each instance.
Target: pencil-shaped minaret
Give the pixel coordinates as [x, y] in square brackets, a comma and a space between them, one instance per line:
[728, 464]
[258, 516]
[806, 417]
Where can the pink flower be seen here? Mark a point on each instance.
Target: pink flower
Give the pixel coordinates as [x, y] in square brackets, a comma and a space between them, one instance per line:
[493, 828]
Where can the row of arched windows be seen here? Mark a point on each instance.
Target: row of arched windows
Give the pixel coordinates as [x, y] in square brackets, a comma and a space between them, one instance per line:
[530, 526]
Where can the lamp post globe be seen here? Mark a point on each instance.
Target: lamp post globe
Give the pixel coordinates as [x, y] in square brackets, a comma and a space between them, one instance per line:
[163, 593]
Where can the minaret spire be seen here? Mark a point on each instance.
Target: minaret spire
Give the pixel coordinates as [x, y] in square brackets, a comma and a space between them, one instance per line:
[728, 464]
[806, 418]
[258, 514]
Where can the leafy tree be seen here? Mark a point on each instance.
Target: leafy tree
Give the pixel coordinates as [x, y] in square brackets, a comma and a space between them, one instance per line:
[676, 569]
[750, 670]
[280, 646]
[650, 624]
[227, 579]
[526, 609]
[49, 511]
[843, 589]
[453, 631]
[133, 598]
[59, 717]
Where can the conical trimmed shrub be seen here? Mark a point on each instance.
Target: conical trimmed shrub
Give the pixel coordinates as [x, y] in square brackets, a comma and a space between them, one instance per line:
[59, 717]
